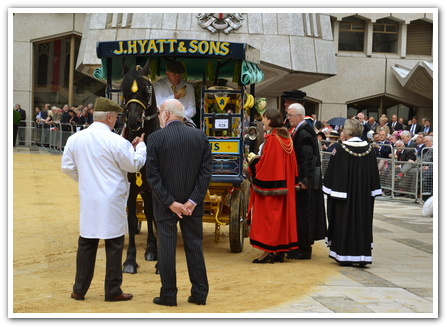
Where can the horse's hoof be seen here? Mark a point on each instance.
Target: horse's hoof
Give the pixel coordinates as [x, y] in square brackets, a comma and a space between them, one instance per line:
[150, 256]
[129, 269]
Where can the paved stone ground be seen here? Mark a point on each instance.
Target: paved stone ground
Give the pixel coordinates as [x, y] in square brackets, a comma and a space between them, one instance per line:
[399, 283]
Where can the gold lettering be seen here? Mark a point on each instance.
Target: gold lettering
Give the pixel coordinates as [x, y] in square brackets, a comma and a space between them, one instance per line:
[214, 48]
[193, 46]
[142, 44]
[202, 49]
[171, 45]
[224, 48]
[131, 47]
[120, 51]
[152, 47]
[181, 48]
[161, 45]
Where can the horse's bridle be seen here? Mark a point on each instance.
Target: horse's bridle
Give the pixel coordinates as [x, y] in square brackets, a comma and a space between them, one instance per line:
[134, 90]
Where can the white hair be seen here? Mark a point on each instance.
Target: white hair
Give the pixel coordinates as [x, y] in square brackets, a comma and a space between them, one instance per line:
[297, 108]
[100, 115]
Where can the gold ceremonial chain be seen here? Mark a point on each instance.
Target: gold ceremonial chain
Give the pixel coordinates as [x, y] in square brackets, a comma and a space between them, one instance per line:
[356, 154]
[287, 148]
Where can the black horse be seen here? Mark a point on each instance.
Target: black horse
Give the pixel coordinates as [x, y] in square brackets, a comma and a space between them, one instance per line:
[140, 116]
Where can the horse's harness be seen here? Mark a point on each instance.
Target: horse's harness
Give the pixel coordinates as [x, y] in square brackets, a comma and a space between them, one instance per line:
[134, 89]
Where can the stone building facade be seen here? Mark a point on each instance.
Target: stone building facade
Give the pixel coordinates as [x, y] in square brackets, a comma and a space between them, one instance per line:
[370, 70]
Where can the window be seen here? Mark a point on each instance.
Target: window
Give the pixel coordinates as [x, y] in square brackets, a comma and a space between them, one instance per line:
[351, 35]
[385, 36]
[419, 38]
[52, 71]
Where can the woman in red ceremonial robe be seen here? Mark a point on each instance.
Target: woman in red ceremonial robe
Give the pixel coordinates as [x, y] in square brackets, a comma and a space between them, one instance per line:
[273, 175]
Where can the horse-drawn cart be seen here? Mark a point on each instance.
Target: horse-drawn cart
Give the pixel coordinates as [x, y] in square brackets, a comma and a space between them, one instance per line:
[224, 75]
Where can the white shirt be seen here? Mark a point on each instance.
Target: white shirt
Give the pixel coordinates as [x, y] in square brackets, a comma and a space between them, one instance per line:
[99, 161]
[163, 91]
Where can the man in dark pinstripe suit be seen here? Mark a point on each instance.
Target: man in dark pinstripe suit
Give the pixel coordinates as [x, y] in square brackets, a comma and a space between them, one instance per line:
[179, 171]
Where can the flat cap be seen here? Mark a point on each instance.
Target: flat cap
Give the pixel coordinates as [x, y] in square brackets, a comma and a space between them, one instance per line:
[103, 104]
[175, 67]
[295, 95]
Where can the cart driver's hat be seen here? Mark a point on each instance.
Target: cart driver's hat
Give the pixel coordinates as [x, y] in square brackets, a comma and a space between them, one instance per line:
[175, 67]
[103, 104]
[295, 95]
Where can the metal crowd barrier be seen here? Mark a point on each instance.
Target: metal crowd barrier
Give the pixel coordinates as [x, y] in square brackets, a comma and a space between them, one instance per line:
[25, 134]
[50, 137]
[426, 173]
[399, 178]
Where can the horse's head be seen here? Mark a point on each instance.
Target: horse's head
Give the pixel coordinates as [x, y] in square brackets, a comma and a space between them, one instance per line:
[138, 96]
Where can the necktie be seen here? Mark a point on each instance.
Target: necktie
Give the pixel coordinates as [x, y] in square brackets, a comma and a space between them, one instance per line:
[413, 128]
[394, 125]
[174, 88]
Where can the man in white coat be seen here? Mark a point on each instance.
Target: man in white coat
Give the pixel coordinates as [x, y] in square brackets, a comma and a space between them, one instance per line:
[99, 161]
[174, 87]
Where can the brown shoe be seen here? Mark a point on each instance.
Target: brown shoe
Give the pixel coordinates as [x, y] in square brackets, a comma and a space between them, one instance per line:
[77, 297]
[121, 297]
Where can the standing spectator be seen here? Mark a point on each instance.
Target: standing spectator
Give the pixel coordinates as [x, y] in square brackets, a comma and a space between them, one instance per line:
[372, 124]
[294, 96]
[427, 128]
[394, 125]
[90, 108]
[15, 125]
[179, 170]
[427, 168]
[65, 116]
[414, 127]
[22, 130]
[310, 212]
[273, 177]
[87, 117]
[401, 120]
[99, 160]
[361, 118]
[174, 87]
[40, 117]
[351, 182]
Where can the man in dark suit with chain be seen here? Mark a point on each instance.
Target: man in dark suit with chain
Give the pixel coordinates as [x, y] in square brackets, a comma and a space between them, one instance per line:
[179, 171]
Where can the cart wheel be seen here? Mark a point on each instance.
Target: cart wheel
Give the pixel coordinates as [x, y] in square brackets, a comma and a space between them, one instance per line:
[245, 187]
[237, 221]
[138, 227]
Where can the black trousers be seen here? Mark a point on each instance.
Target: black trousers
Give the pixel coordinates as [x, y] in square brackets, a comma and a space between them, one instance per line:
[192, 233]
[85, 265]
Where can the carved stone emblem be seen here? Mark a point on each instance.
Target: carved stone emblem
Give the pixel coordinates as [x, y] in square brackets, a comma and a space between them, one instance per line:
[215, 22]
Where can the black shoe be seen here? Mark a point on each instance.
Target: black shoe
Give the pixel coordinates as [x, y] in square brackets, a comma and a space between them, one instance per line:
[193, 300]
[159, 301]
[270, 258]
[345, 264]
[280, 256]
[298, 255]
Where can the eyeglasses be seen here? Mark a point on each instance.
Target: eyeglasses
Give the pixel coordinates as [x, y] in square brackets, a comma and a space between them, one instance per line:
[290, 115]
[160, 112]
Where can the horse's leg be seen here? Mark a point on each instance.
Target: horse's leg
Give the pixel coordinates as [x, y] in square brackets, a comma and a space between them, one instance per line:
[130, 265]
[151, 249]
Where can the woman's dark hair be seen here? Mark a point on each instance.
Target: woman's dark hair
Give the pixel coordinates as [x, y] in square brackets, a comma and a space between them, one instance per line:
[275, 116]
